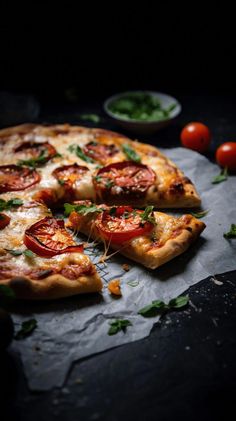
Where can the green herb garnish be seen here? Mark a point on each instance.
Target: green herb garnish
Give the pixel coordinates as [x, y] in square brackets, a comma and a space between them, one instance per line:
[147, 215]
[6, 205]
[34, 162]
[141, 106]
[118, 325]
[61, 182]
[81, 209]
[94, 118]
[158, 307]
[133, 283]
[15, 252]
[130, 153]
[78, 151]
[109, 184]
[97, 178]
[27, 328]
[231, 233]
[223, 176]
[200, 214]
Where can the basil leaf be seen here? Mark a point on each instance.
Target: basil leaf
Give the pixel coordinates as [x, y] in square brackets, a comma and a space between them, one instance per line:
[223, 176]
[158, 307]
[109, 184]
[29, 253]
[6, 205]
[130, 153]
[94, 118]
[61, 182]
[34, 162]
[133, 283]
[179, 302]
[231, 233]
[118, 325]
[78, 151]
[27, 328]
[200, 214]
[147, 216]
[14, 252]
[81, 209]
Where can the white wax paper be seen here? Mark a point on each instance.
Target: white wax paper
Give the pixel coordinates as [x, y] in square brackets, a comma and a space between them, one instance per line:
[73, 328]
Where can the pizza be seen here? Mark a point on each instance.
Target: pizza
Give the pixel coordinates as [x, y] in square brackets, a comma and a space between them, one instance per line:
[116, 182]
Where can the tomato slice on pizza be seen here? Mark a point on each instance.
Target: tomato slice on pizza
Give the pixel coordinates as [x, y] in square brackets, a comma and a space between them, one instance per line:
[67, 175]
[15, 178]
[48, 237]
[4, 220]
[35, 150]
[100, 152]
[123, 180]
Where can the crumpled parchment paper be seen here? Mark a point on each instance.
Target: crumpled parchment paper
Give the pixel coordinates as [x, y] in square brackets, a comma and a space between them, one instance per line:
[77, 327]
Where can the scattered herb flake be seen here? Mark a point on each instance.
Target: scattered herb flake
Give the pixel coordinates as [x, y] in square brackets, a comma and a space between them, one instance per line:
[27, 328]
[29, 253]
[118, 325]
[147, 215]
[200, 214]
[34, 162]
[94, 118]
[6, 205]
[98, 178]
[223, 176]
[82, 209]
[15, 252]
[78, 151]
[109, 184]
[61, 182]
[130, 153]
[158, 307]
[231, 233]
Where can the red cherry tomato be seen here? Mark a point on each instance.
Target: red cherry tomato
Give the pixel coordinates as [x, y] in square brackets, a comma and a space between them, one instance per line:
[226, 155]
[196, 136]
[48, 237]
[122, 225]
[4, 220]
[14, 178]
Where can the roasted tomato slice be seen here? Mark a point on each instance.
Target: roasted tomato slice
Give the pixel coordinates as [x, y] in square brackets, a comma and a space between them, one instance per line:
[4, 220]
[123, 179]
[67, 175]
[100, 152]
[34, 150]
[48, 237]
[14, 178]
[121, 224]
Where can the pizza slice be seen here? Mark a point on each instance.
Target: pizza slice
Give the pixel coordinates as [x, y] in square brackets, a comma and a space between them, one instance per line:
[39, 258]
[147, 237]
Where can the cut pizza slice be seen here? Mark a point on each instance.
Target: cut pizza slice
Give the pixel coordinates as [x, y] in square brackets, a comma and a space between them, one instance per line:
[39, 258]
[147, 237]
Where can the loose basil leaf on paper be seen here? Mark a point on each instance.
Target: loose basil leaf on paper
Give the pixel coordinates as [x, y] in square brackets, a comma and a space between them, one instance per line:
[231, 233]
[6, 205]
[78, 151]
[82, 209]
[27, 328]
[94, 118]
[118, 325]
[158, 307]
[6, 294]
[34, 162]
[147, 216]
[223, 176]
[130, 153]
[200, 214]
[133, 283]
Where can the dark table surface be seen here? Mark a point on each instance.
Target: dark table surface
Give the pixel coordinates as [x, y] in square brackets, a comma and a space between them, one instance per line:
[186, 368]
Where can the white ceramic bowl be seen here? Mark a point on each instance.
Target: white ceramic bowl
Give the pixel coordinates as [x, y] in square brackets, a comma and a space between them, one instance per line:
[144, 127]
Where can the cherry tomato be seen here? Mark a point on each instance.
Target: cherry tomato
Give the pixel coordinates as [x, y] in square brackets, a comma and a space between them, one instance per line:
[226, 155]
[196, 136]
[100, 152]
[67, 175]
[123, 180]
[4, 220]
[14, 178]
[48, 237]
[34, 150]
[122, 225]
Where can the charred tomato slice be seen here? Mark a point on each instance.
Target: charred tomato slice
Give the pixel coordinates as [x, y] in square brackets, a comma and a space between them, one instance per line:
[14, 178]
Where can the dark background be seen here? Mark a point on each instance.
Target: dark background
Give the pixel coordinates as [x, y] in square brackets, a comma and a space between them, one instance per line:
[99, 51]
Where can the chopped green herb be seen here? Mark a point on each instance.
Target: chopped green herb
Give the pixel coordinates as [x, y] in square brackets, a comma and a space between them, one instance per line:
[130, 153]
[97, 178]
[6, 205]
[34, 162]
[118, 325]
[109, 184]
[27, 253]
[147, 215]
[98, 166]
[82, 209]
[27, 328]
[200, 214]
[231, 233]
[61, 182]
[223, 176]
[133, 283]
[158, 307]
[94, 118]
[78, 151]
[58, 155]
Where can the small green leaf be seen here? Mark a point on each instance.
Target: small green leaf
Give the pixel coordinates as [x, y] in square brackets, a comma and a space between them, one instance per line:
[81, 209]
[14, 252]
[78, 151]
[147, 215]
[27, 328]
[58, 155]
[97, 178]
[6, 205]
[118, 325]
[179, 302]
[200, 214]
[34, 162]
[109, 184]
[130, 153]
[29, 253]
[61, 182]
[158, 307]
[231, 233]
[133, 283]
[223, 176]
[94, 118]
